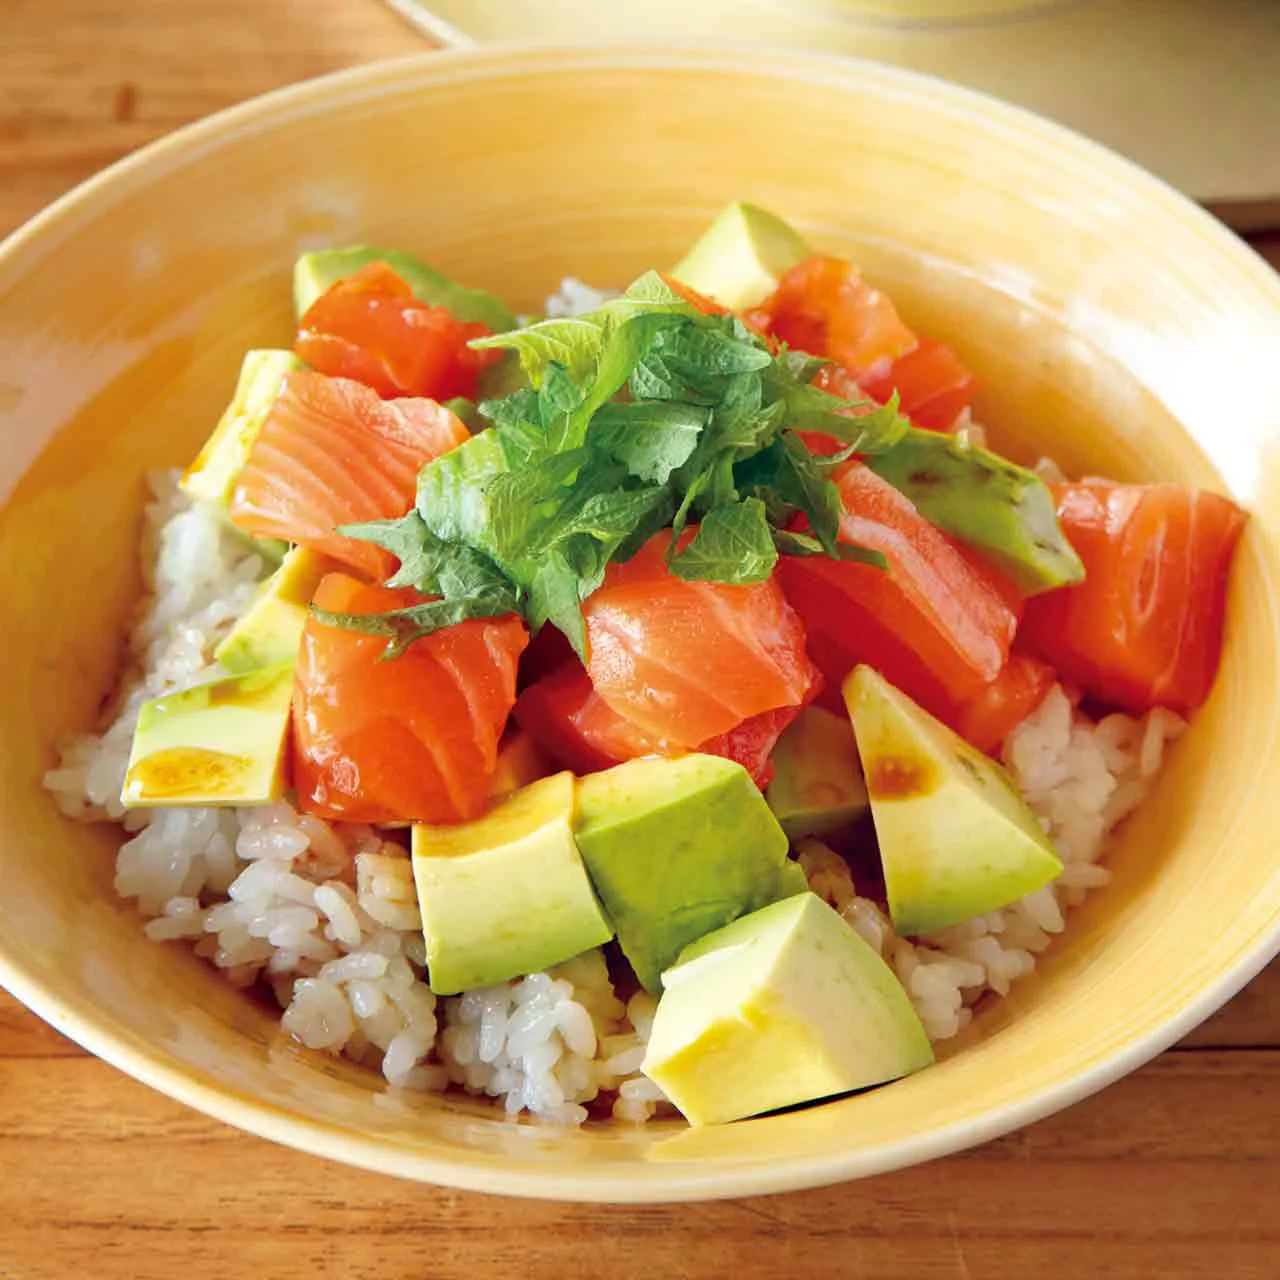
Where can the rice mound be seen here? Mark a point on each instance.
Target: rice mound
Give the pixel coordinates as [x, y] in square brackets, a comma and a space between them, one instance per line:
[325, 917]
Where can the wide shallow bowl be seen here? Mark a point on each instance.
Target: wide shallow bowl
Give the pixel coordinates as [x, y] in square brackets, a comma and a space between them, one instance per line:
[1114, 324]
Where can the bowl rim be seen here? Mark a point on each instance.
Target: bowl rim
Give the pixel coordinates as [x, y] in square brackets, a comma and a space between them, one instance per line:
[638, 1182]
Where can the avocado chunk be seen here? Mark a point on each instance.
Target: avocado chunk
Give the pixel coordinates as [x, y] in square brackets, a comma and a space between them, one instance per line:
[212, 476]
[317, 273]
[677, 848]
[783, 1006]
[220, 743]
[741, 256]
[956, 839]
[507, 894]
[1003, 511]
[270, 630]
[817, 785]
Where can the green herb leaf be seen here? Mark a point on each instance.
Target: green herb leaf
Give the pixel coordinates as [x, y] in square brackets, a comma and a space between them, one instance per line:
[554, 597]
[578, 342]
[658, 517]
[610, 517]
[789, 478]
[863, 555]
[791, 543]
[518, 421]
[733, 544]
[402, 627]
[452, 489]
[448, 569]
[405, 538]
[709, 352]
[808, 408]
[651, 289]
[519, 409]
[748, 431]
[560, 402]
[801, 482]
[573, 343]
[651, 439]
[875, 431]
[799, 366]
[653, 379]
[520, 503]
[625, 343]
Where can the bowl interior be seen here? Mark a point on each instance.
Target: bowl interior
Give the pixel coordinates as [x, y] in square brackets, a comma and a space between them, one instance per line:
[1113, 325]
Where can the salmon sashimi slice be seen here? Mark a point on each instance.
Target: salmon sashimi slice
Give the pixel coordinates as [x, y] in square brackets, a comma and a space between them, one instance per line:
[370, 327]
[987, 719]
[751, 744]
[934, 386]
[823, 306]
[931, 623]
[569, 720]
[414, 739]
[687, 661]
[331, 452]
[1144, 628]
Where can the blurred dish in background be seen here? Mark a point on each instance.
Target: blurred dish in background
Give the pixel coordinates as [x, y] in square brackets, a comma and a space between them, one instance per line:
[914, 12]
[1188, 89]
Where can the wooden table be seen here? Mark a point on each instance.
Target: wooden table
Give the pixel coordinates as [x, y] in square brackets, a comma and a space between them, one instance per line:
[1173, 1172]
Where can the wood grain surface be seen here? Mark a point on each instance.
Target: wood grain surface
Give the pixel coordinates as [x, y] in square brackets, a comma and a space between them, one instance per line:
[1174, 1172]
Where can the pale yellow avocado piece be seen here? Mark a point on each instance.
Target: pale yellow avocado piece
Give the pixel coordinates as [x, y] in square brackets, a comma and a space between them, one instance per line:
[507, 894]
[270, 630]
[817, 786]
[220, 743]
[741, 256]
[783, 1006]
[956, 839]
[212, 476]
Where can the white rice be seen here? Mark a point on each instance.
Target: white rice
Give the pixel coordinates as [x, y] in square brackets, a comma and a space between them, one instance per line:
[574, 298]
[1081, 779]
[325, 915]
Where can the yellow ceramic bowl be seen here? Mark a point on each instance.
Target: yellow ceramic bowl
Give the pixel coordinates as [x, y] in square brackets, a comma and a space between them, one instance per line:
[1114, 325]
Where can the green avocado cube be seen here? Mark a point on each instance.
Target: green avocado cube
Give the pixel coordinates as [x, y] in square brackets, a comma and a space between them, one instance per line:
[956, 839]
[741, 256]
[317, 273]
[783, 1006]
[817, 786]
[1003, 511]
[677, 848]
[212, 476]
[269, 631]
[506, 894]
[220, 743]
